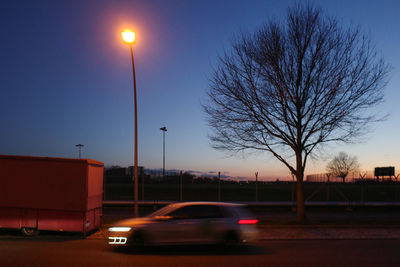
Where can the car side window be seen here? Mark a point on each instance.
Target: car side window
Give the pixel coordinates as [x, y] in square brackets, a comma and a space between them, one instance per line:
[186, 212]
[197, 212]
[208, 211]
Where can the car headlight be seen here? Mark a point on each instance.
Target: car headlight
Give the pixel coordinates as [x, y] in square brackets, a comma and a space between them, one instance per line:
[119, 229]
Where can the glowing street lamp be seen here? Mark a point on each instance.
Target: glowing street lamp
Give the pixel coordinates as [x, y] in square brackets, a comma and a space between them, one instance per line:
[130, 38]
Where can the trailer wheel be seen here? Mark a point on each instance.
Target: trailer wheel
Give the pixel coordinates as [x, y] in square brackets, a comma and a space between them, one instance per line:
[29, 231]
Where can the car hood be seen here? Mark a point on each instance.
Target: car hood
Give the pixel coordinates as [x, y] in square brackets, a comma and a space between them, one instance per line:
[134, 221]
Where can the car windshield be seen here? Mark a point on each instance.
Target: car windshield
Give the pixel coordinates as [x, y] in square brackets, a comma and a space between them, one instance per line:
[163, 211]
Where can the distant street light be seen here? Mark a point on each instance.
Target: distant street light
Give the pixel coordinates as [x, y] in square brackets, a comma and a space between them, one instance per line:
[79, 146]
[129, 38]
[164, 129]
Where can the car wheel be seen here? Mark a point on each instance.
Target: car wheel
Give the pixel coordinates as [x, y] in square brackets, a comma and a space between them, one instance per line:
[137, 241]
[231, 239]
[29, 231]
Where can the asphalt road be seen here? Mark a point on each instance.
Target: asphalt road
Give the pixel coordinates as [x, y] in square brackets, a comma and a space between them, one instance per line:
[70, 251]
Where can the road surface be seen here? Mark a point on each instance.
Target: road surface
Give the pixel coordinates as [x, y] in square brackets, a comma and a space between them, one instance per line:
[71, 251]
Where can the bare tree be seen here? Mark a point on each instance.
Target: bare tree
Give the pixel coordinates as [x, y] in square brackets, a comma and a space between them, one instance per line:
[342, 165]
[291, 87]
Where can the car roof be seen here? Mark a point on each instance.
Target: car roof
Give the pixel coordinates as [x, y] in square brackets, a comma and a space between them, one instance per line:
[226, 204]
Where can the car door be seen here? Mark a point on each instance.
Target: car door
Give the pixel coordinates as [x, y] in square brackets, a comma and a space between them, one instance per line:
[210, 222]
[199, 223]
[177, 226]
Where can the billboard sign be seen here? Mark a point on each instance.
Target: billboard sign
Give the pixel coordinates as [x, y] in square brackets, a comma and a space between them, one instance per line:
[384, 171]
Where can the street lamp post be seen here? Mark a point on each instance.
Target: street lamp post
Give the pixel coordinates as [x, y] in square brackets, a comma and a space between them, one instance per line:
[79, 146]
[130, 38]
[164, 129]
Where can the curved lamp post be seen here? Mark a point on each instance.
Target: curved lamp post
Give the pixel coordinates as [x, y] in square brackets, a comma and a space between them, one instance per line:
[130, 38]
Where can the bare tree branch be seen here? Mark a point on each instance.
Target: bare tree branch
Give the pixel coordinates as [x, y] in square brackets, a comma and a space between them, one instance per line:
[295, 86]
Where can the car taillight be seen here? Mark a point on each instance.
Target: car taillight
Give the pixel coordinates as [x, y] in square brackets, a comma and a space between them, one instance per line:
[248, 221]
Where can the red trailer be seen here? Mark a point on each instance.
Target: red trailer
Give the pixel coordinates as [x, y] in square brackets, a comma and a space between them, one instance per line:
[57, 194]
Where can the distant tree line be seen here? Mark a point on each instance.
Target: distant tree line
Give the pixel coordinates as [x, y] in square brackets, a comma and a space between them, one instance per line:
[117, 174]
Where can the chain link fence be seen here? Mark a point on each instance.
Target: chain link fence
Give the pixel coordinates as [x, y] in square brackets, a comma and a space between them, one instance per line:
[184, 186]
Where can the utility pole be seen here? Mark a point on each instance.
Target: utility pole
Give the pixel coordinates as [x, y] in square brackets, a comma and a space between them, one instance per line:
[79, 146]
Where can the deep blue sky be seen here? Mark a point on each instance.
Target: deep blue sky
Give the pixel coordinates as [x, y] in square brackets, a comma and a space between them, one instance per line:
[65, 78]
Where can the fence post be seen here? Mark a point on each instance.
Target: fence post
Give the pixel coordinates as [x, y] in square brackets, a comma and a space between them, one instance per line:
[362, 191]
[180, 187]
[362, 186]
[219, 186]
[142, 184]
[328, 175]
[104, 184]
[256, 186]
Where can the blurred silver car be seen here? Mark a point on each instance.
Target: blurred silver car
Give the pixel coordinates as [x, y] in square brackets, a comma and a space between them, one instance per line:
[187, 223]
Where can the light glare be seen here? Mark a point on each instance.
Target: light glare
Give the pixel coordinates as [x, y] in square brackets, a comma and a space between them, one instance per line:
[119, 229]
[128, 37]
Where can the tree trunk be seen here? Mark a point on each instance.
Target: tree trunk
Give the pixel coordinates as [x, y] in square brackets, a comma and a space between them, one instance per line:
[300, 199]
[300, 194]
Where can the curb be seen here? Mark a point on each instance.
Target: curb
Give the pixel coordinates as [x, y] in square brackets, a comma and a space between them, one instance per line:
[267, 232]
[272, 232]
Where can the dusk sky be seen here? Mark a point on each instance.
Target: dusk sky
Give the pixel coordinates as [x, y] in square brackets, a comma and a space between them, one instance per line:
[66, 78]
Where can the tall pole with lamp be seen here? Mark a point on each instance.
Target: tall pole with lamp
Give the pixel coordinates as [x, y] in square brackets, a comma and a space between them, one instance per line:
[130, 38]
[164, 129]
[79, 146]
